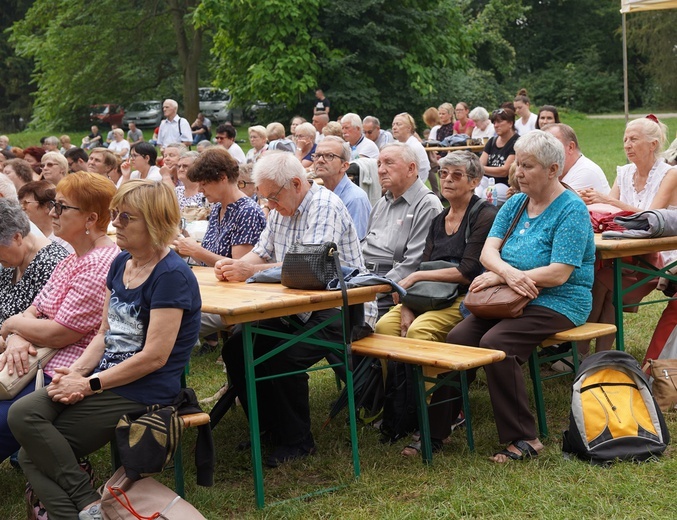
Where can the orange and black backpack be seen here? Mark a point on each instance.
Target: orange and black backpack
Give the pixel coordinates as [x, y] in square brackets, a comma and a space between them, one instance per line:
[613, 413]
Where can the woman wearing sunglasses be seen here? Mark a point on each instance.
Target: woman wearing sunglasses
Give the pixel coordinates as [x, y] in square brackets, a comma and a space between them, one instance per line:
[66, 314]
[149, 324]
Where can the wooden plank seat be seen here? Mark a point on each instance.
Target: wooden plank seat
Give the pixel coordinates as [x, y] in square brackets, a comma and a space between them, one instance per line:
[587, 331]
[441, 358]
[191, 420]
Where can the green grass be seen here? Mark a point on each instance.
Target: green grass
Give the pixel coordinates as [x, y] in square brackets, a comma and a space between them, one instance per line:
[459, 483]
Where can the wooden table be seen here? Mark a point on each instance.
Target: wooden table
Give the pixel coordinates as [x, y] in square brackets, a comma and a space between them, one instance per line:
[617, 250]
[476, 148]
[243, 303]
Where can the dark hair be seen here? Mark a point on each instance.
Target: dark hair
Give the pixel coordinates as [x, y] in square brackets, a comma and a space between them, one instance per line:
[43, 191]
[147, 150]
[227, 129]
[76, 154]
[503, 114]
[508, 104]
[213, 165]
[547, 108]
[22, 169]
[522, 96]
[8, 155]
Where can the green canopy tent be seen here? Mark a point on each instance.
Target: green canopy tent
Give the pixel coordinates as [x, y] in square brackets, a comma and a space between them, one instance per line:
[633, 6]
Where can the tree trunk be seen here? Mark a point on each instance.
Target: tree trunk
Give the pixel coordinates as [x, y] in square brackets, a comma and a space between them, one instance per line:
[189, 47]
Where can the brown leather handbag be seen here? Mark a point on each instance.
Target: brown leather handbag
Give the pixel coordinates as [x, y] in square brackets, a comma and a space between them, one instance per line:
[499, 301]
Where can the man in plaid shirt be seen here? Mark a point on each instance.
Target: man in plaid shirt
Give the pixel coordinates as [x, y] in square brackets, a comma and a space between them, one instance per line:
[301, 211]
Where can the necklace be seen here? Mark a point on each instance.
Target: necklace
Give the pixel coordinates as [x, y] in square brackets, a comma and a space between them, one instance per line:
[137, 274]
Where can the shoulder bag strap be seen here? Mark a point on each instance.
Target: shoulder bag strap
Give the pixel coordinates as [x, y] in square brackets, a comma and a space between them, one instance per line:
[514, 222]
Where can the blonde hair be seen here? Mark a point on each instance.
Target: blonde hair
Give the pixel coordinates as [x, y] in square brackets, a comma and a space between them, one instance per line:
[57, 158]
[652, 131]
[157, 203]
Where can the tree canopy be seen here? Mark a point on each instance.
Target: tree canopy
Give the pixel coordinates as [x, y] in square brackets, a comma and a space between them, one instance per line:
[370, 56]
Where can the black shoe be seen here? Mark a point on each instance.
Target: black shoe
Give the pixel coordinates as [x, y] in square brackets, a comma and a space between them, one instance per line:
[206, 348]
[266, 438]
[285, 453]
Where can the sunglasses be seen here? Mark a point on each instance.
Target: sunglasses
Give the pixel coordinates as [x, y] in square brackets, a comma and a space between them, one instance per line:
[58, 207]
[243, 184]
[455, 176]
[122, 217]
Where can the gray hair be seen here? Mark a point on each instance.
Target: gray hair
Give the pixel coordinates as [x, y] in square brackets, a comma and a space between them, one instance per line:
[567, 133]
[353, 119]
[181, 147]
[172, 103]
[407, 153]
[59, 159]
[278, 167]
[52, 140]
[468, 160]
[542, 146]
[479, 114]
[371, 119]
[346, 153]
[652, 131]
[7, 188]
[306, 129]
[203, 145]
[191, 154]
[14, 220]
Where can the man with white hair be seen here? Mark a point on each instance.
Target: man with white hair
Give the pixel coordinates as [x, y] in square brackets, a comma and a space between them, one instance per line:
[579, 172]
[174, 128]
[400, 220]
[51, 144]
[301, 211]
[371, 127]
[351, 126]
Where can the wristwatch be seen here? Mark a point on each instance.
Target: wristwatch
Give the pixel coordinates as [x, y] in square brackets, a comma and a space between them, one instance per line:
[95, 384]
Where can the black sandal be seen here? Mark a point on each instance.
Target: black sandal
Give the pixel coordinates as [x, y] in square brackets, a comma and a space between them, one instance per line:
[526, 451]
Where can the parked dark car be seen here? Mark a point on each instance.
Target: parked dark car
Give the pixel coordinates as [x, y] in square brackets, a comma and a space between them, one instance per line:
[106, 114]
[146, 114]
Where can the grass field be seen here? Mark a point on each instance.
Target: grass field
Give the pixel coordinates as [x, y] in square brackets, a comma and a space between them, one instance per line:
[459, 484]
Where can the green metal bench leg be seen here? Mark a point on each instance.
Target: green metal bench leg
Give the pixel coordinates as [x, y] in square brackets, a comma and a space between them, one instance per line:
[422, 411]
[535, 369]
[466, 410]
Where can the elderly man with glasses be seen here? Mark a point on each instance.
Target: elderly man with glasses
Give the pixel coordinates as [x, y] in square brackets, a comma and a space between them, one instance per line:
[301, 211]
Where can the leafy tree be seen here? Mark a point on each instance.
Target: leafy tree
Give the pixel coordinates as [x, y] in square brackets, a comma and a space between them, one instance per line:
[368, 54]
[83, 57]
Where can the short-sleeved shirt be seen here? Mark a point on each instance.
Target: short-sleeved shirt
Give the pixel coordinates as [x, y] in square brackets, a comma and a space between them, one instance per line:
[171, 284]
[440, 245]
[499, 155]
[469, 126]
[74, 297]
[242, 223]
[561, 234]
[134, 135]
[321, 105]
[357, 203]
[193, 200]
[321, 217]
[17, 297]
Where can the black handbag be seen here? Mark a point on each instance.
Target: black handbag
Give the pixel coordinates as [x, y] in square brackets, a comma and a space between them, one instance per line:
[427, 295]
[309, 266]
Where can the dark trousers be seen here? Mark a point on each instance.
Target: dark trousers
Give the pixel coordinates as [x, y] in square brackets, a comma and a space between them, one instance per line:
[283, 403]
[517, 337]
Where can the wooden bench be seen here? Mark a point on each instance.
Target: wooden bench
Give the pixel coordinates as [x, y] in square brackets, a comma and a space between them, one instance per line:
[435, 358]
[587, 331]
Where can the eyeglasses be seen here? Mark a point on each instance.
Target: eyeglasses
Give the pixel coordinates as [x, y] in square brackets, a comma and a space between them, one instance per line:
[49, 165]
[58, 207]
[329, 157]
[134, 155]
[499, 111]
[297, 137]
[455, 176]
[123, 218]
[243, 184]
[273, 198]
[182, 166]
[221, 137]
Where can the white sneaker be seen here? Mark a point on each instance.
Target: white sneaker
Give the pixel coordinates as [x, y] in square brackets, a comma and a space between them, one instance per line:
[93, 513]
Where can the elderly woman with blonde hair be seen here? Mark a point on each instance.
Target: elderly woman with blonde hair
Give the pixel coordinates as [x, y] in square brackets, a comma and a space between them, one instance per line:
[150, 323]
[54, 167]
[258, 138]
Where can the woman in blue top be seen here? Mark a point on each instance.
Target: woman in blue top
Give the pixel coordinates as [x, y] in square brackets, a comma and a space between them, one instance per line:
[548, 257]
[151, 319]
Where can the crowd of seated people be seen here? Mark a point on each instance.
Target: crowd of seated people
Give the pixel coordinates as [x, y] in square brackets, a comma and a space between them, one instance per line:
[313, 184]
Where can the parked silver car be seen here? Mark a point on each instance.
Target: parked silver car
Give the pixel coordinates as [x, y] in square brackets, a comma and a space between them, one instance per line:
[146, 114]
[215, 104]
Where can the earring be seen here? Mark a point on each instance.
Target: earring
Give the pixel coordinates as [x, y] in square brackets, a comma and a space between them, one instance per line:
[87, 231]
